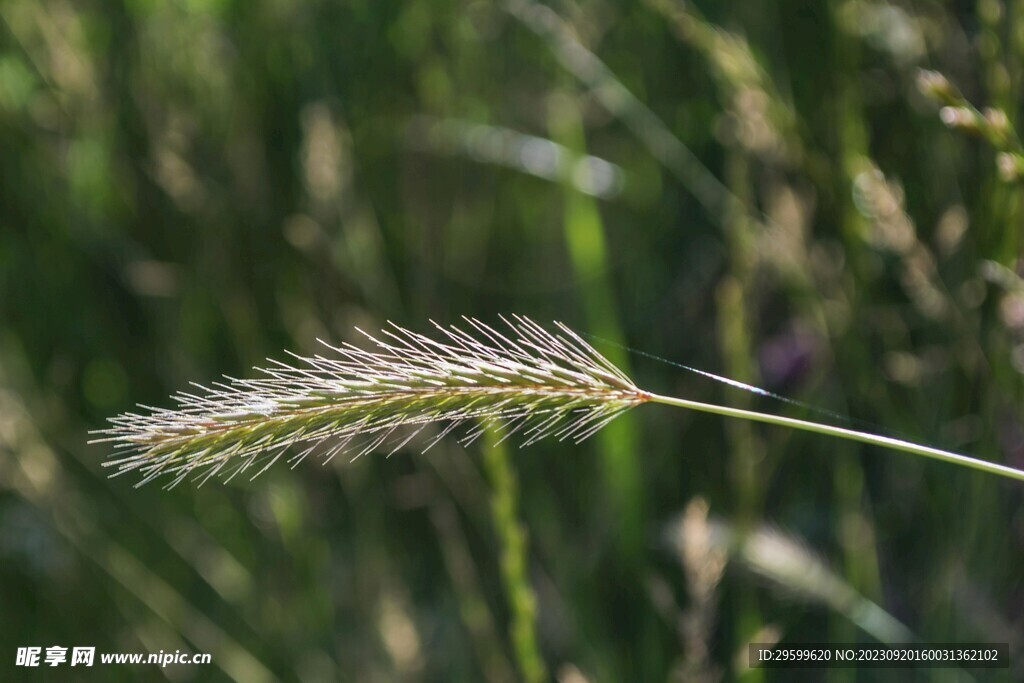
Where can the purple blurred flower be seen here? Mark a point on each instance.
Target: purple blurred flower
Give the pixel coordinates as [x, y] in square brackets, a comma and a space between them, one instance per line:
[787, 357]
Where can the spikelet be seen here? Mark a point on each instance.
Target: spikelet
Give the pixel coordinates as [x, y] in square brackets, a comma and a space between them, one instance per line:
[527, 381]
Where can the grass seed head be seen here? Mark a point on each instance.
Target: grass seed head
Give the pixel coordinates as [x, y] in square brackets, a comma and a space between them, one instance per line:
[523, 380]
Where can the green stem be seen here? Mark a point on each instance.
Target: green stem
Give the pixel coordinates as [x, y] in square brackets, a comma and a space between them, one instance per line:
[522, 601]
[850, 434]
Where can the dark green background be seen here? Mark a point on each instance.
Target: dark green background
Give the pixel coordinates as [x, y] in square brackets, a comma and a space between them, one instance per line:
[187, 188]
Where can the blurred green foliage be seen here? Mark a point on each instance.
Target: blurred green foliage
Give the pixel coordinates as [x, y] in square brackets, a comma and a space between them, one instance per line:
[755, 188]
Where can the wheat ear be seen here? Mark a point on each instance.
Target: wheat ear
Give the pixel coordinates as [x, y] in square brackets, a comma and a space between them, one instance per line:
[526, 381]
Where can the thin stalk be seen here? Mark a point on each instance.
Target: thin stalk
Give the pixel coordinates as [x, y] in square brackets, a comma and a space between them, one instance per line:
[842, 433]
